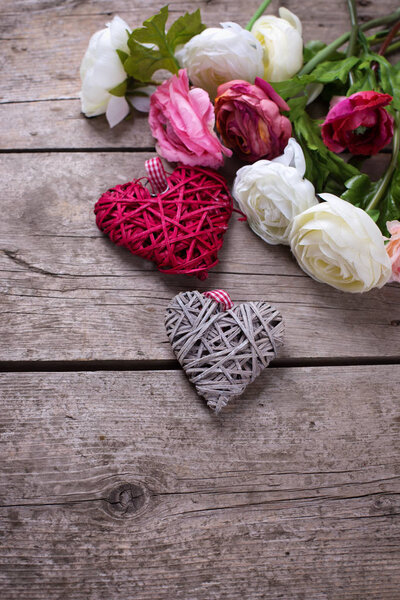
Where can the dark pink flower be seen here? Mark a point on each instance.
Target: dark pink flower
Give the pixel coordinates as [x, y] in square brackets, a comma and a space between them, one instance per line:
[249, 120]
[182, 121]
[359, 124]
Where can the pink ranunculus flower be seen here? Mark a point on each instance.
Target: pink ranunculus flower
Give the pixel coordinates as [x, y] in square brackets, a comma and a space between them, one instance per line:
[249, 119]
[393, 249]
[359, 124]
[182, 121]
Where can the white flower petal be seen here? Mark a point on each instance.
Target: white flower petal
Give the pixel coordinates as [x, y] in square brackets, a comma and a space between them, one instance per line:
[339, 244]
[271, 194]
[142, 103]
[291, 18]
[117, 110]
[101, 69]
[118, 36]
[282, 44]
[218, 55]
[293, 156]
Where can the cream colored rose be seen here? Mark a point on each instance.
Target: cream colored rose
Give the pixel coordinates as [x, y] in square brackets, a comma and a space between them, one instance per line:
[281, 39]
[339, 244]
[272, 193]
[217, 55]
[101, 70]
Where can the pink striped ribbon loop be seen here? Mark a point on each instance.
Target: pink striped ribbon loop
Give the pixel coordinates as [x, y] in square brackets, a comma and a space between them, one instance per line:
[221, 297]
[156, 175]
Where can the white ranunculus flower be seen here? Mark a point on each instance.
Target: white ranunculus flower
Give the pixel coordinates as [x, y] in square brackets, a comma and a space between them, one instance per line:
[272, 193]
[339, 244]
[101, 70]
[281, 39]
[217, 55]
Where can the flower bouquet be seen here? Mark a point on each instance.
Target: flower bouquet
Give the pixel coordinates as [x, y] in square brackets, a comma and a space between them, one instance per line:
[211, 92]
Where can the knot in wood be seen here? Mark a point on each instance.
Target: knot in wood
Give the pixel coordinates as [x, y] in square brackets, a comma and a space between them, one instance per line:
[125, 500]
[383, 505]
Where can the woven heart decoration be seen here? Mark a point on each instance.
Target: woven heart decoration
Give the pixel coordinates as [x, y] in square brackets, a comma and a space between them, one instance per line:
[179, 225]
[221, 347]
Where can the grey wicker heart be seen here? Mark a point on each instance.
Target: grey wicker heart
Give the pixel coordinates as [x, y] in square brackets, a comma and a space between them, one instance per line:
[222, 351]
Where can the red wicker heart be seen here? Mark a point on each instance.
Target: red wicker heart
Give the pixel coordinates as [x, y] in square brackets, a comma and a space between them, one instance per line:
[180, 229]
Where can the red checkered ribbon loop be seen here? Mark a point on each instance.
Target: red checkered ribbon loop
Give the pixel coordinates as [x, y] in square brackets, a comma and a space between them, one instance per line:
[156, 175]
[221, 297]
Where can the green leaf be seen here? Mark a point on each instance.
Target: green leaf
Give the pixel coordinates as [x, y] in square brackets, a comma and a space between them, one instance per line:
[330, 71]
[326, 72]
[297, 107]
[390, 205]
[184, 29]
[151, 48]
[390, 82]
[122, 55]
[360, 190]
[313, 47]
[326, 170]
[292, 87]
[153, 31]
[363, 81]
[145, 61]
[119, 90]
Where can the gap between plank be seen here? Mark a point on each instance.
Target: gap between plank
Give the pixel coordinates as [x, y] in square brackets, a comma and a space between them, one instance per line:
[97, 149]
[75, 150]
[26, 366]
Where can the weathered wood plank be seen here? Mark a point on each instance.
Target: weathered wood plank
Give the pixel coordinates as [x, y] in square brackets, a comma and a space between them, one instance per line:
[30, 66]
[293, 492]
[68, 293]
[43, 42]
[60, 124]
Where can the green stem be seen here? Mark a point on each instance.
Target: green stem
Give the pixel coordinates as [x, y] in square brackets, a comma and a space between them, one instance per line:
[326, 52]
[393, 48]
[380, 192]
[377, 37]
[351, 49]
[257, 14]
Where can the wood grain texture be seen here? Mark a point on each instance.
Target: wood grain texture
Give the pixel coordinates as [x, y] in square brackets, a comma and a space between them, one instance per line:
[68, 293]
[59, 124]
[43, 44]
[293, 493]
[123, 484]
[43, 41]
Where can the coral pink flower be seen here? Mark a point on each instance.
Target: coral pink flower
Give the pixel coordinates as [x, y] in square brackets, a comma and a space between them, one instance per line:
[393, 249]
[359, 124]
[182, 121]
[249, 119]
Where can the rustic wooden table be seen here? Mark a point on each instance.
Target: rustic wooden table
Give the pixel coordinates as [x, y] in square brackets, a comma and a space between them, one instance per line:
[116, 480]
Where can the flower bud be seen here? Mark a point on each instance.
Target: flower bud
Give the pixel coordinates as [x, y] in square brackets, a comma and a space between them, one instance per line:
[282, 44]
